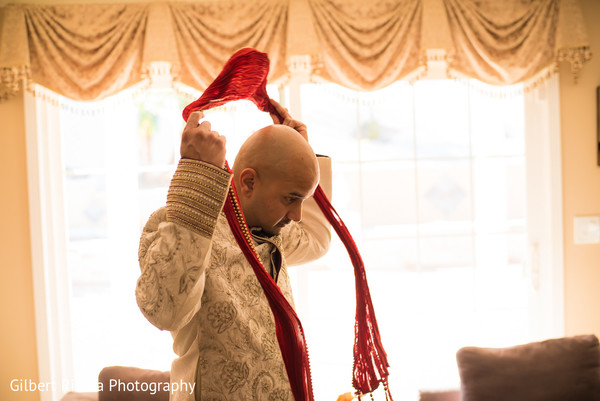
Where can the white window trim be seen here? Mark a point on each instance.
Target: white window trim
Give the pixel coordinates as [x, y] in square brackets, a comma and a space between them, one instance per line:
[51, 282]
[545, 208]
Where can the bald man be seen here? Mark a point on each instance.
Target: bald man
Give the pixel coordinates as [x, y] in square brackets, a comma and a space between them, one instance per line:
[196, 282]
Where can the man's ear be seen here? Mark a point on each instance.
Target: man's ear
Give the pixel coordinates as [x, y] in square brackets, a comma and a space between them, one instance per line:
[247, 182]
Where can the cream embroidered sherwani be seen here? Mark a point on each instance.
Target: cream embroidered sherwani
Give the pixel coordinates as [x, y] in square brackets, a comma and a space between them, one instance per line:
[196, 283]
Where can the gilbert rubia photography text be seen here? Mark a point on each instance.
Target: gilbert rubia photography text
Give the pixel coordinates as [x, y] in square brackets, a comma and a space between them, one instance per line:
[26, 385]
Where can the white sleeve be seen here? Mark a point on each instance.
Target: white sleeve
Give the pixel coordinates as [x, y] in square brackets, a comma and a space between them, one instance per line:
[176, 243]
[309, 239]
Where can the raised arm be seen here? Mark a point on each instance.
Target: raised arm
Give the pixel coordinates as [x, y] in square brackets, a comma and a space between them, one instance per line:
[176, 241]
[309, 239]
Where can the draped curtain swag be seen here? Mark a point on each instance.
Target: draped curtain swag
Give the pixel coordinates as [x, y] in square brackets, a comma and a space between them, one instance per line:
[208, 33]
[503, 42]
[368, 44]
[88, 52]
[85, 52]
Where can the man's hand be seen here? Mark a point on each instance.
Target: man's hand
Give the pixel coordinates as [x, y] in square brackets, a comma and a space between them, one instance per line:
[198, 142]
[288, 120]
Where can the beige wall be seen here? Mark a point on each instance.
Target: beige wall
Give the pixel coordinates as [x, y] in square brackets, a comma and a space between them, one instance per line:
[17, 338]
[18, 349]
[581, 185]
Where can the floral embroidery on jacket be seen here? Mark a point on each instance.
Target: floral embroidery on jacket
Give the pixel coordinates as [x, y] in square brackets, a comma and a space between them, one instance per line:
[221, 315]
[278, 395]
[188, 278]
[234, 375]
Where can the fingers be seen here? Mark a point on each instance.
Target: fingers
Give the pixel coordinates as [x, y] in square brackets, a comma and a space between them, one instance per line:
[284, 117]
[295, 124]
[205, 126]
[283, 112]
[203, 144]
[274, 118]
[287, 119]
[194, 118]
[218, 137]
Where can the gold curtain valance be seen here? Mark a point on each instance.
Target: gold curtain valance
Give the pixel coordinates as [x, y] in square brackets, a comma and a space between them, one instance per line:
[88, 52]
[368, 45]
[509, 41]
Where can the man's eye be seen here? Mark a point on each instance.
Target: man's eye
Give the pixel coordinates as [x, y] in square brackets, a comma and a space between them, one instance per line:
[290, 199]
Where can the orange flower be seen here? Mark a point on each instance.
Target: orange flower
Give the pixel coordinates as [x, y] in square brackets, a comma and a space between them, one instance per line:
[345, 397]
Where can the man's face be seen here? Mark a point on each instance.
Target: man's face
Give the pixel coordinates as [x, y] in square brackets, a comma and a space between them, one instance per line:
[278, 200]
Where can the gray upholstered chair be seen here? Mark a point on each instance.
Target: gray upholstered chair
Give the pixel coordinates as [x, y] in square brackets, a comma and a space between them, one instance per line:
[563, 369]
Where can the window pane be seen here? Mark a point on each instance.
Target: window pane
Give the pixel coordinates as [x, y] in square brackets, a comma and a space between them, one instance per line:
[330, 113]
[385, 127]
[499, 194]
[347, 196]
[88, 261]
[329, 330]
[423, 318]
[444, 189]
[500, 251]
[85, 197]
[441, 118]
[443, 252]
[390, 254]
[388, 195]
[84, 143]
[502, 288]
[159, 117]
[501, 328]
[497, 123]
[153, 188]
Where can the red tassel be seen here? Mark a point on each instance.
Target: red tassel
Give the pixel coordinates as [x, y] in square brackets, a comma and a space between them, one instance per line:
[244, 76]
[370, 359]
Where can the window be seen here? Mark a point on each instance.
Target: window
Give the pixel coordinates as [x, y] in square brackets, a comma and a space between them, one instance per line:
[119, 155]
[435, 181]
[430, 180]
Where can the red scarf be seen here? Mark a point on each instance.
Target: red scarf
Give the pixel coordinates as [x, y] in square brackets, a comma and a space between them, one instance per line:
[244, 76]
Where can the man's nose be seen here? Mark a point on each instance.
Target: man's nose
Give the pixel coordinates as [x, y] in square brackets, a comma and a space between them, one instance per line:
[295, 213]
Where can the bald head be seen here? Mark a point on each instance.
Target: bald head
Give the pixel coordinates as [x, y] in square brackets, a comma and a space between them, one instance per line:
[274, 172]
[277, 150]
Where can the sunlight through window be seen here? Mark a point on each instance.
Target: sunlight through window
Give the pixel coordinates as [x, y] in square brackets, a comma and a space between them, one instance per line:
[429, 178]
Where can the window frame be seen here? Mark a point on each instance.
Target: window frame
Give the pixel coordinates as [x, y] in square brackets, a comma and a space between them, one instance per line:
[51, 281]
